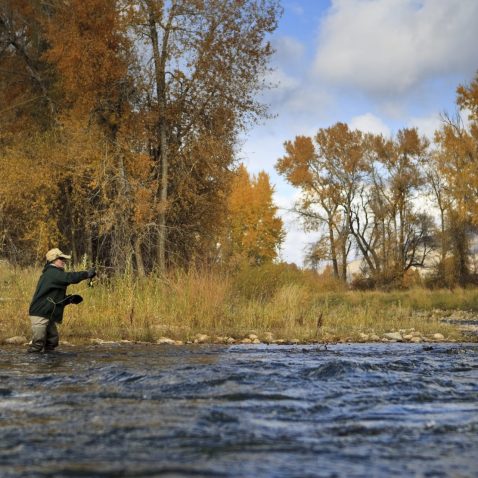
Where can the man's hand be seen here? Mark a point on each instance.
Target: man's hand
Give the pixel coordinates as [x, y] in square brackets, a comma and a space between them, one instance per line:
[73, 299]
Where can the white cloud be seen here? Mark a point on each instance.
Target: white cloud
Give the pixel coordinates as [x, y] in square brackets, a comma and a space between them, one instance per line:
[369, 123]
[386, 47]
[288, 51]
[426, 125]
[282, 83]
[295, 95]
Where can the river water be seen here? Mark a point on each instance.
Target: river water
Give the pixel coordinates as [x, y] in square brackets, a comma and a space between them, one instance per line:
[242, 411]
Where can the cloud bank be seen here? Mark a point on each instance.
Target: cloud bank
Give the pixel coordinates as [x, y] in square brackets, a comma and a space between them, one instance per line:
[385, 47]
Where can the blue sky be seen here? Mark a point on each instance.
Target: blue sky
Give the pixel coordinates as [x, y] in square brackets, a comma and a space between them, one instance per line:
[378, 65]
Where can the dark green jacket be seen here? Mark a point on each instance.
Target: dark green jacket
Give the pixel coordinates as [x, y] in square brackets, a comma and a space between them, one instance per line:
[51, 291]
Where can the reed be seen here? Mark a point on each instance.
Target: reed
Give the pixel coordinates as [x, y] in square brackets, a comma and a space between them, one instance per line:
[280, 302]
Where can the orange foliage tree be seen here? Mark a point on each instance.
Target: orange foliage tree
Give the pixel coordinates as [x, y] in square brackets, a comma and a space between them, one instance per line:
[456, 160]
[254, 232]
[132, 158]
[359, 189]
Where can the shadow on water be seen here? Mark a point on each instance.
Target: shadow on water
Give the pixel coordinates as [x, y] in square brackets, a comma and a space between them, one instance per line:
[240, 411]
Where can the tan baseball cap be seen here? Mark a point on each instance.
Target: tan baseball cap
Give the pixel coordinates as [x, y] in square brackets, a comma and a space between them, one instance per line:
[54, 254]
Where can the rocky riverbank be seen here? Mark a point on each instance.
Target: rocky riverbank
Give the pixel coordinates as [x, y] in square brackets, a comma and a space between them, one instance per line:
[465, 321]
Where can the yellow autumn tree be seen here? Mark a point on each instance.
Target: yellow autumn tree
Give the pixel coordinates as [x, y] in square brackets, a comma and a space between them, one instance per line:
[456, 159]
[254, 232]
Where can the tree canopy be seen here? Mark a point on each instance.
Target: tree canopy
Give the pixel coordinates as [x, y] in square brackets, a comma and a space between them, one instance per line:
[119, 124]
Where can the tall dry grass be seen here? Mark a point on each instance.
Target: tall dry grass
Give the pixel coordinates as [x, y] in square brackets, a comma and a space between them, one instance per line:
[274, 300]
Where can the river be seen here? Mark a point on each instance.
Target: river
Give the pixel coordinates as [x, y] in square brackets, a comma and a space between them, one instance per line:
[358, 410]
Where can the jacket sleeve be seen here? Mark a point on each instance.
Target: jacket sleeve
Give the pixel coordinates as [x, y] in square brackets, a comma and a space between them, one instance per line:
[62, 278]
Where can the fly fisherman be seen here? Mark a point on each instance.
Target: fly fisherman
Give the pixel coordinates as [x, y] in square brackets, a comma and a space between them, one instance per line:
[49, 300]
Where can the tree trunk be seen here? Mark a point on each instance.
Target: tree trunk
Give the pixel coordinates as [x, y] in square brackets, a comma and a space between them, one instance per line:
[160, 77]
[333, 251]
[139, 256]
[344, 259]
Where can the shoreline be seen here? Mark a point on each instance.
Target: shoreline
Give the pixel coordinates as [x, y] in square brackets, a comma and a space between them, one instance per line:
[202, 339]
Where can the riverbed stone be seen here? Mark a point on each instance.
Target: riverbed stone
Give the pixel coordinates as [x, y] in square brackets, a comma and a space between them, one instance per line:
[246, 340]
[393, 336]
[256, 341]
[416, 340]
[97, 341]
[219, 339]
[17, 340]
[268, 337]
[363, 336]
[408, 337]
[231, 340]
[165, 341]
[253, 336]
[374, 338]
[201, 338]
[438, 337]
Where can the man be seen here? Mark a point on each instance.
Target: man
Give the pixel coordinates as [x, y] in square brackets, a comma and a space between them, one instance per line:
[49, 300]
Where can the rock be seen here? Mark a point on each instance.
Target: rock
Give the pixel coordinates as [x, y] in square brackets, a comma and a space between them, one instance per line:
[178, 342]
[165, 341]
[408, 337]
[247, 340]
[393, 336]
[64, 342]
[231, 340]
[375, 338]
[438, 337]
[256, 341]
[416, 334]
[219, 339]
[416, 340]
[201, 338]
[100, 342]
[268, 337]
[364, 336]
[294, 341]
[17, 340]
[253, 336]
[385, 340]
[279, 341]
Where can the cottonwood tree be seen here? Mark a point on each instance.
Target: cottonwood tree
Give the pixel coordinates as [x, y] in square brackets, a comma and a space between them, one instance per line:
[208, 58]
[148, 147]
[397, 180]
[27, 96]
[457, 165]
[329, 171]
[254, 232]
[362, 187]
[92, 55]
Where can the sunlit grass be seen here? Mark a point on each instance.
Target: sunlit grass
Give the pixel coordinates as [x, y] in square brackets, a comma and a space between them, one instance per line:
[183, 304]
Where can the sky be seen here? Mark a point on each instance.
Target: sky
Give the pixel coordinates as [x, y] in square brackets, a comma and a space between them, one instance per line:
[377, 65]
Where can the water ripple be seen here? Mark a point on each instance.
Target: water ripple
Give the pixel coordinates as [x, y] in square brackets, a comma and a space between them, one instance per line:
[261, 411]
